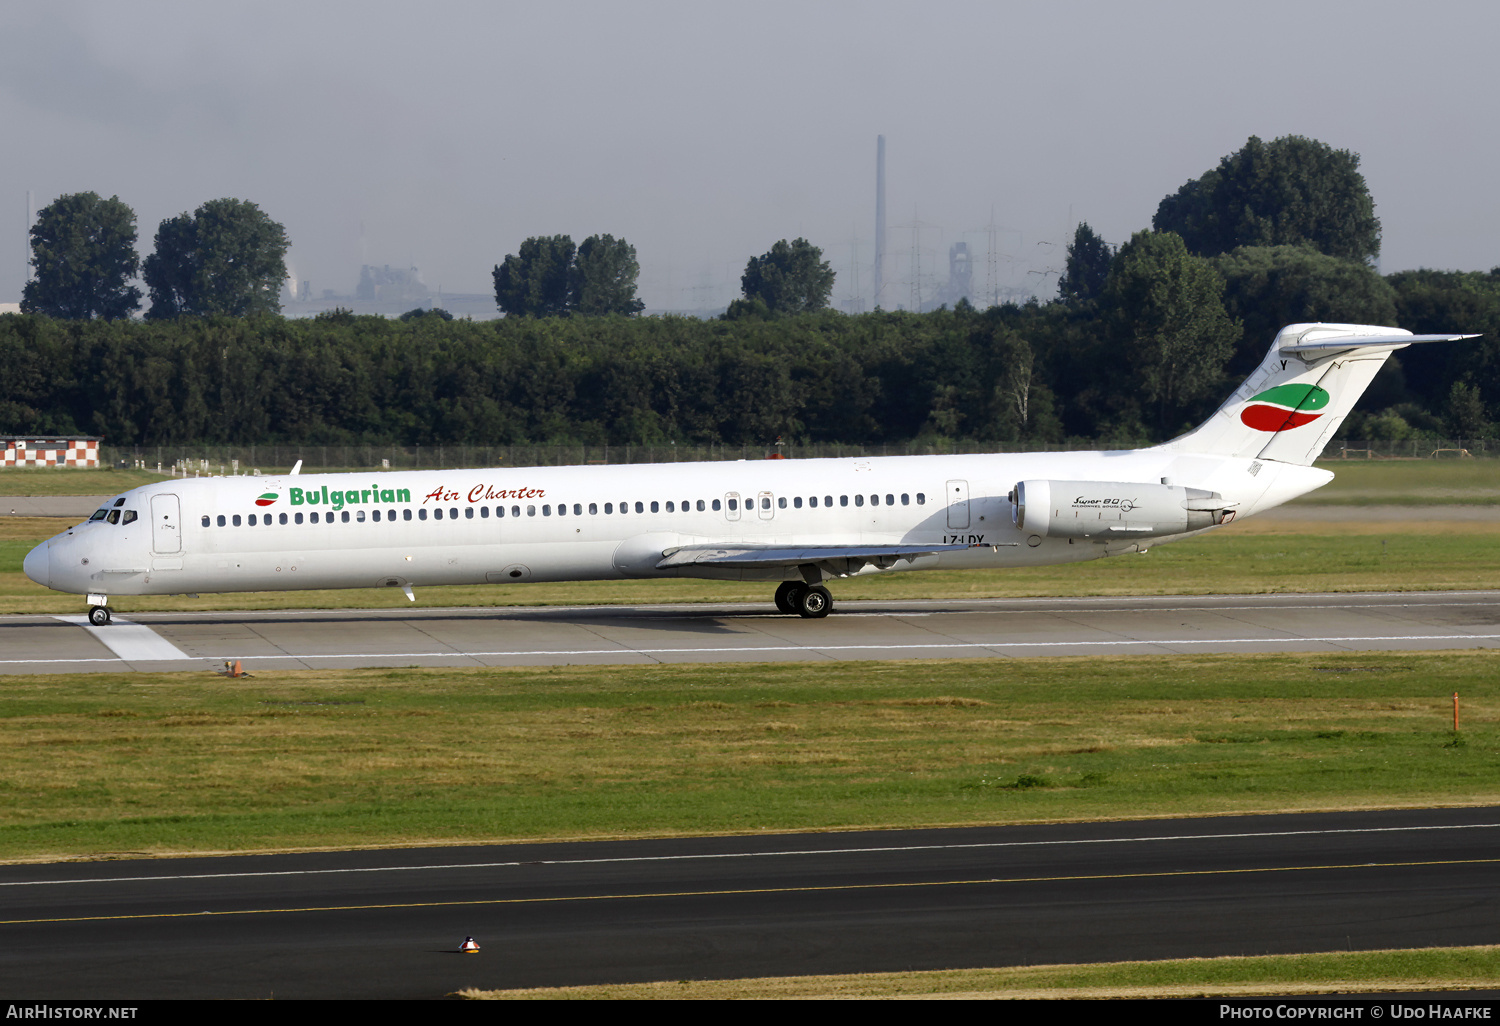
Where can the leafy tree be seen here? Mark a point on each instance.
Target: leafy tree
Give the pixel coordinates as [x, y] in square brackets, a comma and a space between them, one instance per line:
[83, 250]
[1466, 413]
[227, 257]
[792, 278]
[602, 278]
[417, 314]
[1089, 258]
[752, 308]
[1172, 336]
[534, 283]
[1290, 191]
[1269, 287]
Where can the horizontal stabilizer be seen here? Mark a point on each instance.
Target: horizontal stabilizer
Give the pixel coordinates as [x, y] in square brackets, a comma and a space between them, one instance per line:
[749, 556]
[1329, 345]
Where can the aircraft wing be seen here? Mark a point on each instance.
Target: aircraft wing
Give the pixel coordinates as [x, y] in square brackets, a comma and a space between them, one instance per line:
[839, 559]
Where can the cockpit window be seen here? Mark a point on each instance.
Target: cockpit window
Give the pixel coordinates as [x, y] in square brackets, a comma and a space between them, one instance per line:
[119, 502]
[129, 517]
[100, 514]
[114, 516]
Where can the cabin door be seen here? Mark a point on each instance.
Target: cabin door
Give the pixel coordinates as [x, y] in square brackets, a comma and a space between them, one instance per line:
[166, 524]
[958, 504]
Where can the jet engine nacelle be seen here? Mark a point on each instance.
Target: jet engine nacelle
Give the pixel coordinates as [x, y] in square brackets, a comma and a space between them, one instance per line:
[1114, 509]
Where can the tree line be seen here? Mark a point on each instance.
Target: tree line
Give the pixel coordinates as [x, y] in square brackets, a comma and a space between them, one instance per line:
[1033, 373]
[1142, 341]
[617, 380]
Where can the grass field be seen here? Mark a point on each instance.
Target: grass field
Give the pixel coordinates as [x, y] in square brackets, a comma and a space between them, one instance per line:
[93, 765]
[1409, 483]
[1361, 972]
[72, 480]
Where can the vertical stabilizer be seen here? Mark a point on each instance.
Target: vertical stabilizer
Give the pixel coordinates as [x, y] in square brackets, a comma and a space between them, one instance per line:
[1292, 404]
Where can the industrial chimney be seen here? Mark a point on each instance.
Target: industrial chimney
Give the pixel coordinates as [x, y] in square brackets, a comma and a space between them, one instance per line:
[879, 218]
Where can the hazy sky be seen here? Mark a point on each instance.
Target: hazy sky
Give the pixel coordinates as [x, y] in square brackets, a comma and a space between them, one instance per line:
[441, 134]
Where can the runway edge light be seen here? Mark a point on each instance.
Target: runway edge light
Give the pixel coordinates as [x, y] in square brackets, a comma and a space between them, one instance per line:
[469, 946]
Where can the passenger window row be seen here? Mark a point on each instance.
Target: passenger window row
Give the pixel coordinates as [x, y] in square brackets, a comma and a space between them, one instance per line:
[234, 519]
[562, 510]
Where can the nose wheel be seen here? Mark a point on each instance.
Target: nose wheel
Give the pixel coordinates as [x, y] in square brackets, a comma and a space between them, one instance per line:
[811, 601]
[99, 615]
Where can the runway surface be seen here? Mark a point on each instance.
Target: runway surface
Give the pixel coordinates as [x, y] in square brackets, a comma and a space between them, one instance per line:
[388, 924]
[287, 639]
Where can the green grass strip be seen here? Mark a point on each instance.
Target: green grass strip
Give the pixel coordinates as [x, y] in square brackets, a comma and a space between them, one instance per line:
[1360, 972]
[105, 765]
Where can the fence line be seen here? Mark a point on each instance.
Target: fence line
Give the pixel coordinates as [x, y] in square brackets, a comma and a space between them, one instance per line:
[279, 458]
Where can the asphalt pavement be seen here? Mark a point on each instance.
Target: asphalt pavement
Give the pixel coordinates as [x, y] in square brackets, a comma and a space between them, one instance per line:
[388, 924]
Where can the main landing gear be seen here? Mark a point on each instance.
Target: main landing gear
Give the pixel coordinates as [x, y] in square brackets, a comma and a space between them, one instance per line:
[99, 615]
[808, 600]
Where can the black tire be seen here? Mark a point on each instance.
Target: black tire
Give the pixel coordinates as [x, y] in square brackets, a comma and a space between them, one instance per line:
[786, 596]
[99, 616]
[815, 603]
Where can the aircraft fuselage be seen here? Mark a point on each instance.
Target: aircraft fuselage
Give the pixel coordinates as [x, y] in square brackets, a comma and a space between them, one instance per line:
[503, 525]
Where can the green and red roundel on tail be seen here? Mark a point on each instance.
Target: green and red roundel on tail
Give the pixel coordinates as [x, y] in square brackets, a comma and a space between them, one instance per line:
[1284, 407]
[266, 499]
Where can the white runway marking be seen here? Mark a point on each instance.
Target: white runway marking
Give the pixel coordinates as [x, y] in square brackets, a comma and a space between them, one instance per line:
[878, 646]
[132, 642]
[760, 854]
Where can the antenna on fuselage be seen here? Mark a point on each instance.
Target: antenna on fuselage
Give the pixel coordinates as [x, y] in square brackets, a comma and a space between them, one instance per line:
[296, 468]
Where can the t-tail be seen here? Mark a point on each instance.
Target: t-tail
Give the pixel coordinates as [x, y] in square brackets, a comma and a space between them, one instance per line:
[1292, 404]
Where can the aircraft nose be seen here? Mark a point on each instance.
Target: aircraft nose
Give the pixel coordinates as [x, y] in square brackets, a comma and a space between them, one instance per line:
[38, 565]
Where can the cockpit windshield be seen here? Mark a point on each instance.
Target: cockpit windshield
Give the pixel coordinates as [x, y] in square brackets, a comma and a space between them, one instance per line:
[99, 514]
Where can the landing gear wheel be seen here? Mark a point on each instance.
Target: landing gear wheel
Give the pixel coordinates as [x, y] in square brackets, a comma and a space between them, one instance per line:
[99, 615]
[815, 603]
[786, 596]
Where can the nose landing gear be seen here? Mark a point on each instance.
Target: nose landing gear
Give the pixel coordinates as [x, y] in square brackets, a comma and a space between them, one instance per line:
[811, 601]
[99, 615]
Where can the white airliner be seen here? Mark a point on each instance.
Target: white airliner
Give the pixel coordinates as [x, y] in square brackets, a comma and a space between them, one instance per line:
[798, 522]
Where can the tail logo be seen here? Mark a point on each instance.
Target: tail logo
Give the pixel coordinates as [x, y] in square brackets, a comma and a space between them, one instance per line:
[1284, 407]
[266, 499]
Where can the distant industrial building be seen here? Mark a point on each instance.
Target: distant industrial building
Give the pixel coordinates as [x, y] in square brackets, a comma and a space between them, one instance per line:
[386, 284]
[387, 291]
[960, 279]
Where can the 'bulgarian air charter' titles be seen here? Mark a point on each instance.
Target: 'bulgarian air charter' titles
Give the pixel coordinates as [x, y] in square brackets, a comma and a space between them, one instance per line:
[371, 496]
